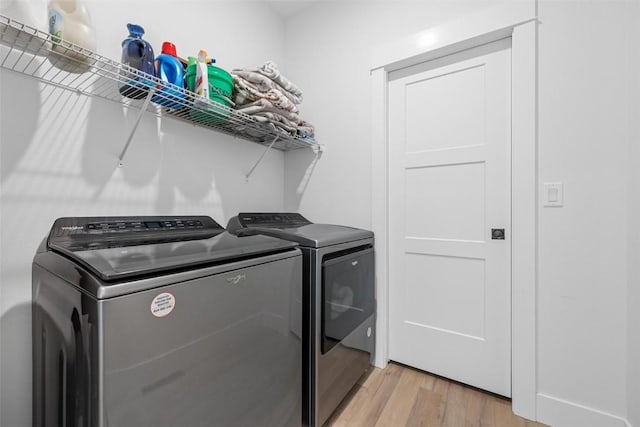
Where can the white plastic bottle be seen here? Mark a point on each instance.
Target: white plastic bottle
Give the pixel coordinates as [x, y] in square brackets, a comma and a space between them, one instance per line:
[202, 76]
[69, 20]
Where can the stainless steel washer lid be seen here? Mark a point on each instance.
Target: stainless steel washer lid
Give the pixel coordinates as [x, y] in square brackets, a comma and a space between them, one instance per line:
[294, 227]
[116, 248]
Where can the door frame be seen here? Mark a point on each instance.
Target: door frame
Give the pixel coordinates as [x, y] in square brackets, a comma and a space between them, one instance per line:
[517, 20]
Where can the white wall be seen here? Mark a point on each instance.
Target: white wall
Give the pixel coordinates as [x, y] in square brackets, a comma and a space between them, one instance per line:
[59, 153]
[633, 297]
[329, 50]
[58, 157]
[584, 141]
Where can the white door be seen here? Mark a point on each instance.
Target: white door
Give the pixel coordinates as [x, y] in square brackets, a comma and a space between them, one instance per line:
[449, 186]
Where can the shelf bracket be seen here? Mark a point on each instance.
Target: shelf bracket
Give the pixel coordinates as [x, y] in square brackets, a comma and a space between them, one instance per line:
[135, 126]
[264, 153]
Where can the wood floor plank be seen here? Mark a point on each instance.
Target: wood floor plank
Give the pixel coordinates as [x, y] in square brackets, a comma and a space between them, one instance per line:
[372, 379]
[402, 396]
[426, 410]
[364, 409]
[359, 397]
[504, 414]
[398, 407]
[475, 403]
[441, 387]
[341, 417]
[428, 381]
[454, 408]
[368, 416]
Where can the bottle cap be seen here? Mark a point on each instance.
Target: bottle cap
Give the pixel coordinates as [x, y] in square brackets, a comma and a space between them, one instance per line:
[169, 48]
[135, 30]
[191, 60]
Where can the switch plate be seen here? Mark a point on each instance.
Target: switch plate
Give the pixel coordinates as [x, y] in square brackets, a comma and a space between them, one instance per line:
[553, 194]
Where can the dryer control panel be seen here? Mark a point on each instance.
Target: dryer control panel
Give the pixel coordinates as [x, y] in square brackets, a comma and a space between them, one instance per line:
[272, 220]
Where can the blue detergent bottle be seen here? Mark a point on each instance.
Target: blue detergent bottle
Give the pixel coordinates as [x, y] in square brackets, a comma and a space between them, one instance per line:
[169, 69]
[136, 53]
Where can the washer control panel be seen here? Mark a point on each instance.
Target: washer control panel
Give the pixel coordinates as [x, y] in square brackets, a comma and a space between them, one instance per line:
[98, 232]
[124, 226]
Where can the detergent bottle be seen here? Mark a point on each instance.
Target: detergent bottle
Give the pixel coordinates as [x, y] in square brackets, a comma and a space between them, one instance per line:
[202, 77]
[137, 53]
[69, 20]
[169, 69]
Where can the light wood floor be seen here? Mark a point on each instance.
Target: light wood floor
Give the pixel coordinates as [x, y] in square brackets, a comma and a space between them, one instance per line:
[403, 396]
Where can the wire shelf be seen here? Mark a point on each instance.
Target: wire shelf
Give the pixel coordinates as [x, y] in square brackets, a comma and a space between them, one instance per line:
[62, 64]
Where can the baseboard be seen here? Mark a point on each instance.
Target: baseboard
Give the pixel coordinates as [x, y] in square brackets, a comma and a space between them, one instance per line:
[562, 413]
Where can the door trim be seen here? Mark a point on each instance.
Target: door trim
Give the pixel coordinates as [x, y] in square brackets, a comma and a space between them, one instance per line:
[518, 21]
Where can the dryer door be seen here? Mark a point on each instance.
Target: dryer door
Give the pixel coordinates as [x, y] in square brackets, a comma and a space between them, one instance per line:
[348, 293]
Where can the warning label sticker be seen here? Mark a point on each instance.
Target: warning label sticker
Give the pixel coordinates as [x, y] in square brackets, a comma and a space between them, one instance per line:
[163, 304]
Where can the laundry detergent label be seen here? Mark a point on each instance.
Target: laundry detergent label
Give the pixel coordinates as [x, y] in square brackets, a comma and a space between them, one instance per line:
[163, 304]
[56, 26]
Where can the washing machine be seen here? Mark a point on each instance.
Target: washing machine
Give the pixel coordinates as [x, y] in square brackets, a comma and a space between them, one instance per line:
[165, 321]
[339, 303]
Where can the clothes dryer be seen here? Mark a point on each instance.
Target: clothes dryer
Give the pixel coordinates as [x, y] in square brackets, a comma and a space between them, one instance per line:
[339, 303]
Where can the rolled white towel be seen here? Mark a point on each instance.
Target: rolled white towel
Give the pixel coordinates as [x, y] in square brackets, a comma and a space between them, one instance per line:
[265, 84]
[270, 69]
[245, 92]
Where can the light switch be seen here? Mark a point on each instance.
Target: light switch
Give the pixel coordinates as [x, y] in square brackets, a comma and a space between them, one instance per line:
[553, 194]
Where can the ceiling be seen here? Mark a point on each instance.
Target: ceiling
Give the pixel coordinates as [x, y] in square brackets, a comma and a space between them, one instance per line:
[288, 8]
